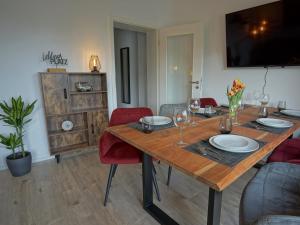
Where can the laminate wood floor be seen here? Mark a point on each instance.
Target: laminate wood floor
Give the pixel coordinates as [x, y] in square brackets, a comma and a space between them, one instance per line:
[71, 193]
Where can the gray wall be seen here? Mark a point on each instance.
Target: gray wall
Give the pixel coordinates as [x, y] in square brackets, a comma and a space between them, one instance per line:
[136, 41]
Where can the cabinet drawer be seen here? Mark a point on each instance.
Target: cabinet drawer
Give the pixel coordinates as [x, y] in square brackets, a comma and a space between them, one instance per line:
[65, 140]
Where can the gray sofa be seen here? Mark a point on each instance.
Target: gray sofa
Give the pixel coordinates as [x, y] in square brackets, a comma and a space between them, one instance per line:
[272, 197]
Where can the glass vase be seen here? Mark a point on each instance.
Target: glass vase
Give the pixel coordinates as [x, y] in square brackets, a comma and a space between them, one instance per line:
[233, 113]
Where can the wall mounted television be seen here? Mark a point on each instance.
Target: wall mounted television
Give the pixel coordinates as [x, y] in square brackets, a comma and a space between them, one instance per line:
[264, 36]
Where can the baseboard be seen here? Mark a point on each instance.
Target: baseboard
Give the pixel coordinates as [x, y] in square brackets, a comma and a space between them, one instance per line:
[3, 167]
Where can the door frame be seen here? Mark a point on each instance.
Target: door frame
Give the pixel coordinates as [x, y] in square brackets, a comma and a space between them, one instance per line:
[152, 61]
[197, 30]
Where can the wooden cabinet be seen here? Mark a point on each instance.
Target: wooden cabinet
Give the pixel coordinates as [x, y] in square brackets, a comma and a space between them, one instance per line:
[56, 99]
[87, 110]
[97, 122]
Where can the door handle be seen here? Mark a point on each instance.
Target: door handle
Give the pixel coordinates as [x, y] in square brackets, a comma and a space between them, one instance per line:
[65, 93]
[93, 128]
[194, 82]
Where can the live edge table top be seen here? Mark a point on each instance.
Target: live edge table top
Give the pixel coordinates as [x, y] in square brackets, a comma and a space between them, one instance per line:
[162, 145]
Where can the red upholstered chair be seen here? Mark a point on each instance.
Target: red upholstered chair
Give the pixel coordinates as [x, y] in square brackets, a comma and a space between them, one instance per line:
[288, 151]
[114, 151]
[208, 101]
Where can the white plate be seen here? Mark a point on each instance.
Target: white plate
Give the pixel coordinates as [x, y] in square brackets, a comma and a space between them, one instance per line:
[202, 111]
[234, 143]
[291, 112]
[67, 125]
[277, 123]
[156, 120]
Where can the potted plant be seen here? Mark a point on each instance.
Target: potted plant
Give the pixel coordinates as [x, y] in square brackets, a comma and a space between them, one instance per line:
[16, 115]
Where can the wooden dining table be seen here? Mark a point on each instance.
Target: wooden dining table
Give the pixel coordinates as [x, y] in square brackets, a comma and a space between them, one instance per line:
[161, 145]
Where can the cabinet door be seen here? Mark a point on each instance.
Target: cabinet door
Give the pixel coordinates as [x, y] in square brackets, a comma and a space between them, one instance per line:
[55, 90]
[97, 122]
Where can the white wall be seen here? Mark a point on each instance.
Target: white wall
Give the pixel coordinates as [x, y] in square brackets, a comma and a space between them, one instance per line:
[29, 28]
[282, 83]
[142, 68]
[79, 28]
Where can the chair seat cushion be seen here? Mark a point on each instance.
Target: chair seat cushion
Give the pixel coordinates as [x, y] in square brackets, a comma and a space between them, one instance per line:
[274, 190]
[288, 151]
[279, 220]
[122, 153]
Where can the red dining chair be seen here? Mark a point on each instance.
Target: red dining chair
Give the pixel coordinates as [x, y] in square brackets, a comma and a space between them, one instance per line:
[288, 151]
[114, 151]
[208, 101]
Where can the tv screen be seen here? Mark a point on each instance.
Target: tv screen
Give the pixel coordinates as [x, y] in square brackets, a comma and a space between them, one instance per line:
[267, 35]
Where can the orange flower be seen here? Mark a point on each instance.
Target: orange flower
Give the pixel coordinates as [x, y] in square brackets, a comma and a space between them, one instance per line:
[237, 86]
[231, 93]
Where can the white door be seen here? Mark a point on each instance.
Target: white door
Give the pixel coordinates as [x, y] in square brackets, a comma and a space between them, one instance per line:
[181, 62]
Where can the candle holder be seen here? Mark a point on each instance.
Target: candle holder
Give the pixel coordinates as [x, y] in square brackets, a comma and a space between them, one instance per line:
[94, 64]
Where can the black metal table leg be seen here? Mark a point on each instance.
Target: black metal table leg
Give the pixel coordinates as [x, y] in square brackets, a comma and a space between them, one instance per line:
[214, 207]
[148, 204]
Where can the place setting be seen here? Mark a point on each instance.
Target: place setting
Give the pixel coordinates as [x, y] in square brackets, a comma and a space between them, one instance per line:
[148, 124]
[205, 112]
[272, 125]
[283, 112]
[266, 123]
[226, 148]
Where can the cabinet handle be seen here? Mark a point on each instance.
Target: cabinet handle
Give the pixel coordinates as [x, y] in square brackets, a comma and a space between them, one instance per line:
[65, 93]
[93, 129]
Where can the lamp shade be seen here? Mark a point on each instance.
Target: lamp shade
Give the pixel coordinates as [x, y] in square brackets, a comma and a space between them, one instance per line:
[94, 63]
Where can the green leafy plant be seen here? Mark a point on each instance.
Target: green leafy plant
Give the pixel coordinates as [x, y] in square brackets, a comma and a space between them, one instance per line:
[16, 115]
[11, 142]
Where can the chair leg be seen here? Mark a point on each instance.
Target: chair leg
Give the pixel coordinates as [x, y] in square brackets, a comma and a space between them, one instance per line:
[169, 175]
[112, 170]
[154, 170]
[156, 186]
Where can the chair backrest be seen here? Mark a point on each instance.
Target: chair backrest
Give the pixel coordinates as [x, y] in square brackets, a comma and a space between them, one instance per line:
[128, 115]
[168, 109]
[208, 101]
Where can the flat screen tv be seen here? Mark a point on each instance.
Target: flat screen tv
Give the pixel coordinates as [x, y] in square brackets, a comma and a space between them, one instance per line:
[263, 36]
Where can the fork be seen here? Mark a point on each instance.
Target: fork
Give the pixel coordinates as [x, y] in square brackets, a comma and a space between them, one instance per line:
[204, 152]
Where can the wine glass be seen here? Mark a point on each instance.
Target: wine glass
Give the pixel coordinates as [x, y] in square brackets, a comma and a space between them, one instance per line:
[208, 110]
[194, 106]
[241, 103]
[281, 105]
[263, 112]
[180, 120]
[264, 100]
[257, 96]
[225, 125]
[147, 126]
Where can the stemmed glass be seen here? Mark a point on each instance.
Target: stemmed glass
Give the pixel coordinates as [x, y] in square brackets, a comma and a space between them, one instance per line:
[257, 96]
[264, 99]
[194, 106]
[281, 105]
[180, 120]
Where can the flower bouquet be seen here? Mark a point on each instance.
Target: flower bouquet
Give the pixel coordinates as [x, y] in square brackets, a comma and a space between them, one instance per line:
[235, 97]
